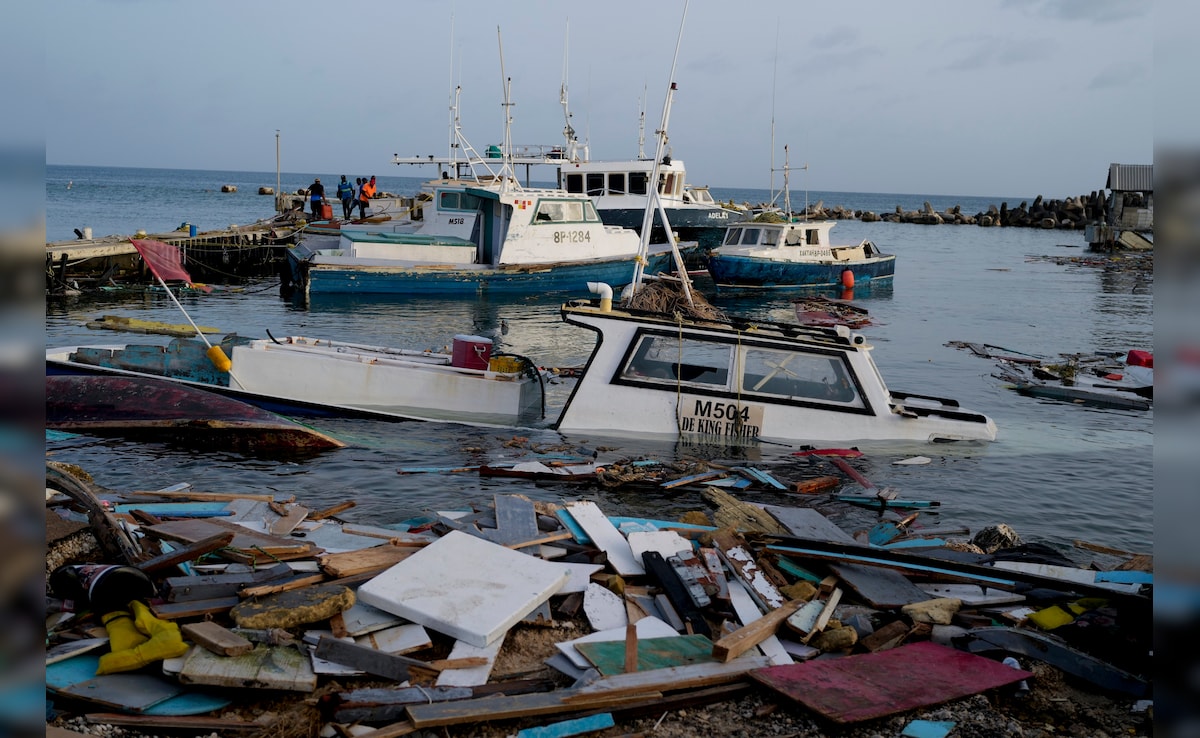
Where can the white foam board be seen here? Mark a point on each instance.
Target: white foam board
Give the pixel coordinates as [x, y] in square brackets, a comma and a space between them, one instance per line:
[465, 587]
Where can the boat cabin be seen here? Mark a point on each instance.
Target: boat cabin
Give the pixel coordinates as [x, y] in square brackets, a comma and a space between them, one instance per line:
[622, 178]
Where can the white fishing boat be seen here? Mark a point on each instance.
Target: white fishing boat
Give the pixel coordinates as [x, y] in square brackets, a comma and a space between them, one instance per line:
[778, 250]
[740, 381]
[299, 376]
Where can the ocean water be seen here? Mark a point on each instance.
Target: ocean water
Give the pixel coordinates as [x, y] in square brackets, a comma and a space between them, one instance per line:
[1057, 473]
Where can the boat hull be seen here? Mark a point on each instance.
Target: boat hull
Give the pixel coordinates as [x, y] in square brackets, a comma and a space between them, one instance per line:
[706, 226]
[304, 377]
[749, 272]
[156, 409]
[322, 277]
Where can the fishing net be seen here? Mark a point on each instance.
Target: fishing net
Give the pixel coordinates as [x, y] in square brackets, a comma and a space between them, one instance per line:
[666, 297]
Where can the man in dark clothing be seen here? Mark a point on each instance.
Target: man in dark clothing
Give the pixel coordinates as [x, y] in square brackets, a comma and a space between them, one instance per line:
[316, 197]
[364, 198]
[345, 193]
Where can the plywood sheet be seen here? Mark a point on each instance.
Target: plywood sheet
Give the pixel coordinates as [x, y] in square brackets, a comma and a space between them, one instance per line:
[465, 587]
[875, 685]
[878, 587]
[652, 653]
[605, 536]
[649, 627]
[806, 522]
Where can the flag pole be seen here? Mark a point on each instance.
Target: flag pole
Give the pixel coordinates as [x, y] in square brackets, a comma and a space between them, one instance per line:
[214, 353]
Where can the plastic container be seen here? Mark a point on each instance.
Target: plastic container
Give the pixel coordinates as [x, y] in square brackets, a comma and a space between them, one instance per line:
[106, 586]
[326, 211]
[471, 352]
[192, 230]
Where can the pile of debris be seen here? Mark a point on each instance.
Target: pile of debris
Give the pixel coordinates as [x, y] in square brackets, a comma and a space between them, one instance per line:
[554, 619]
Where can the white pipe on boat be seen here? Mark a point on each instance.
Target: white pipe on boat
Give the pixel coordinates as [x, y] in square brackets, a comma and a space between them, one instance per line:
[605, 292]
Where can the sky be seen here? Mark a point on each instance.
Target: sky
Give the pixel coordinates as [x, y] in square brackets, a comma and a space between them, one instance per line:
[985, 98]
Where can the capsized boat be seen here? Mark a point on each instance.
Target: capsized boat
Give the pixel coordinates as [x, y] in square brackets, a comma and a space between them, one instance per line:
[144, 407]
[300, 376]
[732, 380]
[1096, 381]
[790, 253]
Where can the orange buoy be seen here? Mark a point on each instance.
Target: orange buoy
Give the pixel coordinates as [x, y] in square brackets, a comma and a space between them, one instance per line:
[847, 278]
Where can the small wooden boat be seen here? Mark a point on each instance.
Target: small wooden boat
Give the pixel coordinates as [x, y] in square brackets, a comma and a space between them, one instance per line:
[157, 409]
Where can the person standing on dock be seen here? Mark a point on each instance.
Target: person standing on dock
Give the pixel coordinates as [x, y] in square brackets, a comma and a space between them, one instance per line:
[365, 191]
[316, 197]
[345, 193]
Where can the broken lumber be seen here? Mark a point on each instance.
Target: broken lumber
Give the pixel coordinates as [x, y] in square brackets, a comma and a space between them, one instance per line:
[750, 635]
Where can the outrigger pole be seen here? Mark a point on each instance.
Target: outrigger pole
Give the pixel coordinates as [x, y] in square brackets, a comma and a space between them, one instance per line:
[654, 201]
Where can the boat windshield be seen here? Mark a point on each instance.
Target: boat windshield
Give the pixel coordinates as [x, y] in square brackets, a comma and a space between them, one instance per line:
[672, 361]
[565, 211]
[798, 375]
[457, 201]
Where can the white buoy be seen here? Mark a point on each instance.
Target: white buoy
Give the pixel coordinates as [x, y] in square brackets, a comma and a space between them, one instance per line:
[87, 233]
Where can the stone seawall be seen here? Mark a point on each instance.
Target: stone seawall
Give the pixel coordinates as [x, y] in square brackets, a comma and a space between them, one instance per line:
[1068, 214]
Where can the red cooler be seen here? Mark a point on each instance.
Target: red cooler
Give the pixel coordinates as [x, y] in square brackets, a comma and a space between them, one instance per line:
[471, 352]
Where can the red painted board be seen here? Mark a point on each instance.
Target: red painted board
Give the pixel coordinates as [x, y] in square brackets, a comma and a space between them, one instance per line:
[874, 685]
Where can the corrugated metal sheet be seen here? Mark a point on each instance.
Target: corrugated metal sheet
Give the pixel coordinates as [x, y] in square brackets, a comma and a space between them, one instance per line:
[1131, 177]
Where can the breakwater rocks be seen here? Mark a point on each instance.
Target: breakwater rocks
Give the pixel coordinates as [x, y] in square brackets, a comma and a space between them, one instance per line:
[1071, 213]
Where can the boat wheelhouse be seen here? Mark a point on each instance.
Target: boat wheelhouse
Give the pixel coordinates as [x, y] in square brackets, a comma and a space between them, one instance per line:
[794, 253]
[738, 381]
[474, 237]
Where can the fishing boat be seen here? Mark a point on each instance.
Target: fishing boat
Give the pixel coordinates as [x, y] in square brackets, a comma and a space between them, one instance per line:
[155, 409]
[1095, 381]
[783, 251]
[735, 381]
[300, 376]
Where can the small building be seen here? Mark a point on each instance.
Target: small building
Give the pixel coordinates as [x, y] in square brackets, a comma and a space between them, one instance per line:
[1128, 219]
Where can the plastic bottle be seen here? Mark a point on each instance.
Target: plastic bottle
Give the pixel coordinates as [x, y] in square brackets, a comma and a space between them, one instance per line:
[106, 586]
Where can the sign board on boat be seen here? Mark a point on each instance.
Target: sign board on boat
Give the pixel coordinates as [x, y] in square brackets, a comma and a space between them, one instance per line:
[720, 417]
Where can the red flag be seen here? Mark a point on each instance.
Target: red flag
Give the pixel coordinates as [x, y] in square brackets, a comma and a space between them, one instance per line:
[164, 260]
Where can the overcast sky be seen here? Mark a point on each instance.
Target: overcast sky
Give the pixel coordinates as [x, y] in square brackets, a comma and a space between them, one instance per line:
[987, 98]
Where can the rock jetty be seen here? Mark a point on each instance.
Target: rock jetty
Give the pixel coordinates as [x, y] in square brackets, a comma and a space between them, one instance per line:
[1072, 213]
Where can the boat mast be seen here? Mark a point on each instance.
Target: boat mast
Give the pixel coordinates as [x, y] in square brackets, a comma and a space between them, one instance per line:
[774, 87]
[568, 130]
[507, 172]
[642, 126]
[654, 200]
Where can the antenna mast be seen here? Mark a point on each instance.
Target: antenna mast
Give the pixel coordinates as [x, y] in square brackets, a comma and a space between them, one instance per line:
[568, 129]
[654, 201]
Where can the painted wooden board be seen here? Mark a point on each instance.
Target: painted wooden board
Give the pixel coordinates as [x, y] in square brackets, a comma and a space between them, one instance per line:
[742, 562]
[216, 638]
[69, 649]
[81, 668]
[805, 522]
[471, 676]
[971, 594]
[747, 612]
[603, 608]
[323, 667]
[650, 627]
[666, 542]
[671, 678]
[1066, 573]
[516, 521]
[878, 587]
[580, 576]
[266, 667]
[285, 524]
[465, 587]
[605, 536]
[565, 728]
[652, 653]
[387, 704]
[398, 639]
[247, 545]
[874, 685]
[362, 618]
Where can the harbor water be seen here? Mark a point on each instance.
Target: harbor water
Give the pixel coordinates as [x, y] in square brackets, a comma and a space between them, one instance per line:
[1057, 472]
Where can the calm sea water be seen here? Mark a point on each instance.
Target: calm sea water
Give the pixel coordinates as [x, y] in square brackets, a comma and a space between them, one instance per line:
[1057, 473]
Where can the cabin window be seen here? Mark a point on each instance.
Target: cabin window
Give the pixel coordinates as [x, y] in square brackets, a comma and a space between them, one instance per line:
[668, 184]
[811, 237]
[770, 236]
[595, 184]
[637, 183]
[671, 361]
[750, 236]
[560, 211]
[575, 183]
[458, 201]
[799, 376]
[616, 183]
[732, 236]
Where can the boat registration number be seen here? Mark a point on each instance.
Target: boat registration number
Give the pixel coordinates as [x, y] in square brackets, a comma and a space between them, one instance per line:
[720, 418]
[572, 236]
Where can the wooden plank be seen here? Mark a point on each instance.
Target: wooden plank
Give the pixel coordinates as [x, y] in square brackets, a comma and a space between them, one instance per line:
[505, 707]
[386, 665]
[649, 653]
[880, 588]
[247, 545]
[376, 558]
[669, 679]
[465, 587]
[741, 561]
[566, 728]
[176, 610]
[189, 495]
[516, 522]
[677, 593]
[398, 639]
[748, 611]
[331, 511]
[889, 636]
[361, 619]
[215, 638]
[266, 667]
[733, 513]
[649, 627]
[190, 552]
[805, 522]
[874, 685]
[195, 723]
[606, 537]
[470, 676]
[299, 582]
[379, 704]
[823, 618]
[286, 524]
[751, 634]
[209, 586]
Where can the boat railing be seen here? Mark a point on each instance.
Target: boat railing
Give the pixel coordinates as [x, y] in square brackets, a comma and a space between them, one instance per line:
[383, 357]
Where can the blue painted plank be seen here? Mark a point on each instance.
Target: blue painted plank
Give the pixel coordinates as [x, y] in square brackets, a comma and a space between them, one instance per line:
[928, 729]
[618, 520]
[1125, 577]
[568, 521]
[569, 727]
